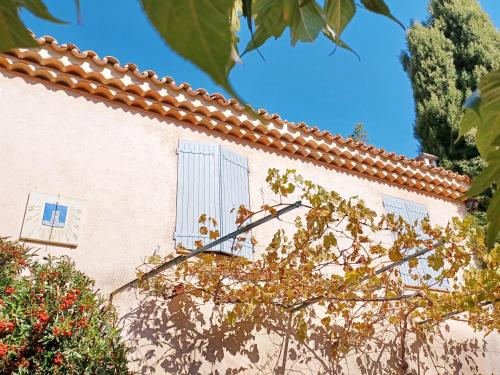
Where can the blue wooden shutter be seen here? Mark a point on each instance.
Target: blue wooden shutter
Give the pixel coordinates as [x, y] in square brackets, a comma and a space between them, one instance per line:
[198, 190]
[234, 192]
[411, 212]
[395, 206]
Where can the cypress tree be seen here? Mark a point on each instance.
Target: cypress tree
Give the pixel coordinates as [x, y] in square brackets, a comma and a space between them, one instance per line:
[446, 57]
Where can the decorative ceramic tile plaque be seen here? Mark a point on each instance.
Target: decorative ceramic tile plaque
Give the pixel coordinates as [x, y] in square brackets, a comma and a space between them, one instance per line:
[52, 219]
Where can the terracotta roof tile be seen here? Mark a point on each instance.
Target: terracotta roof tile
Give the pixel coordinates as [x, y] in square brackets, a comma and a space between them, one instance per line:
[163, 96]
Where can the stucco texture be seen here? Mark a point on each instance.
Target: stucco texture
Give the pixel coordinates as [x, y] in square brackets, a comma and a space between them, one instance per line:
[122, 163]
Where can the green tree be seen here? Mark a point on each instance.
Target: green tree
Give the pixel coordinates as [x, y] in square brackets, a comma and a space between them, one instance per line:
[51, 320]
[359, 133]
[447, 56]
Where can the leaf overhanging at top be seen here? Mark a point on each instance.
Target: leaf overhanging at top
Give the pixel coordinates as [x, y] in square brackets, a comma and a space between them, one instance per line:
[306, 19]
[339, 13]
[78, 11]
[201, 30]
[330, 34]
[380, 7]
[198, 30]
[306, 22]
[271, 18]
[39, 9]
[246, 7]
[13, 32]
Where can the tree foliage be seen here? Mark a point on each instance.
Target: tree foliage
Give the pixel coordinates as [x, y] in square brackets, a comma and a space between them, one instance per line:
[51, 321]
[330, 268]
[447, 55]
[359, 133]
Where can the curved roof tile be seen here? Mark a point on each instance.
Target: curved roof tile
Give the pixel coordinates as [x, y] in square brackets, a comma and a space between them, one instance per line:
[105, 77]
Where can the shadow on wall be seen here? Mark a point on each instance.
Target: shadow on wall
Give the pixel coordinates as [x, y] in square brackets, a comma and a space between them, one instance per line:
[183, 337]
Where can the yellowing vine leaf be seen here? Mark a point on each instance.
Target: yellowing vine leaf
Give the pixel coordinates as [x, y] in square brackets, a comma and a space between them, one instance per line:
[214, 234]
[356, 281]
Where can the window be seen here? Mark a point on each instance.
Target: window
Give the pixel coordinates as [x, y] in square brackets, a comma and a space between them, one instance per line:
[412, 212]
[211, 180]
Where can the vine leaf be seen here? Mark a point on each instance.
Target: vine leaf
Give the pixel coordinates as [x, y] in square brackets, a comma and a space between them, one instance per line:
[13, 32]
[246, 6]
[339, 13]
[271, 18]
[39, 9]
[198, 30]
[380, 7]
[483, 115]
[78, 12]
[307, 21]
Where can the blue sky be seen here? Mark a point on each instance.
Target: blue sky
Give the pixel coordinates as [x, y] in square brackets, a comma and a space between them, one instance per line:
[303, 83]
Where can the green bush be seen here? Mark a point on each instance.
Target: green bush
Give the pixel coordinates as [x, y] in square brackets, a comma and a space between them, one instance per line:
[51, 320]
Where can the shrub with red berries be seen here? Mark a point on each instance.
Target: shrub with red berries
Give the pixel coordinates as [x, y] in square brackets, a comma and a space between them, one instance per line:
[51, 320]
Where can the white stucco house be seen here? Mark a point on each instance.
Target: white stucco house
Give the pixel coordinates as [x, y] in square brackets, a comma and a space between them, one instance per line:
[105, 163]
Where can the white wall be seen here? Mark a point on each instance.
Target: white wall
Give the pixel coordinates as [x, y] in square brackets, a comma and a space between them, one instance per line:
[122, 163]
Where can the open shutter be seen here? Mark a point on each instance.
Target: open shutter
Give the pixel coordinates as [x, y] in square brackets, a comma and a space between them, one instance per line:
[411, 213]
[234, 192]
[198, 190]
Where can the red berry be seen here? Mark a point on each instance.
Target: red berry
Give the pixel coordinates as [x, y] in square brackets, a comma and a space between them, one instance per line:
[58, 359]
[6, 326]
[4, 349]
